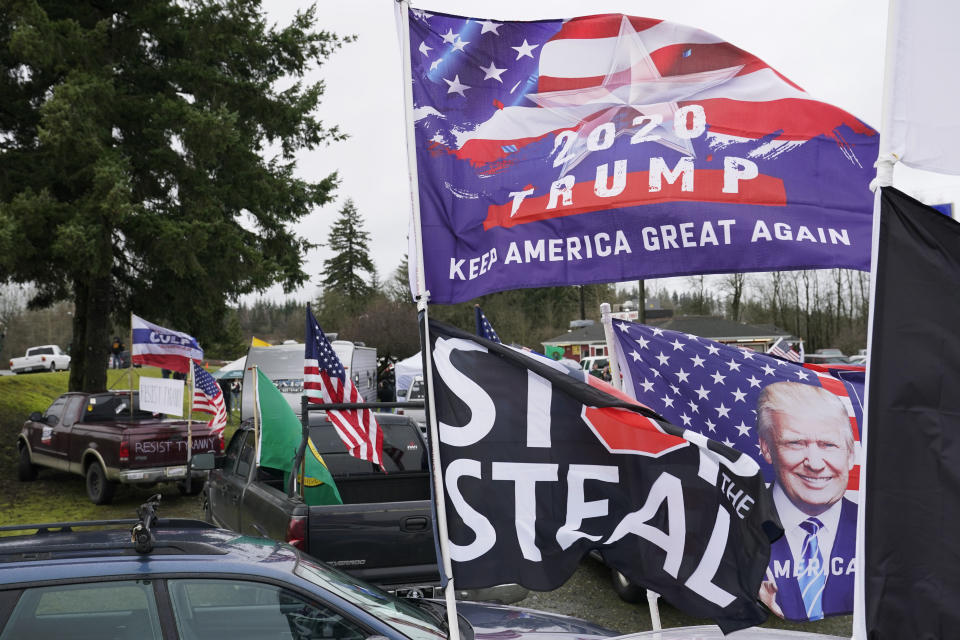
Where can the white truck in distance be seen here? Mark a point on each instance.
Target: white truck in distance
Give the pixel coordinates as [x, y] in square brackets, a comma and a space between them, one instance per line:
[48, 357]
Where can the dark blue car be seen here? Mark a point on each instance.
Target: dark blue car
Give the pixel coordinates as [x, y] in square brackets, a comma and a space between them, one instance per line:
[162, 579]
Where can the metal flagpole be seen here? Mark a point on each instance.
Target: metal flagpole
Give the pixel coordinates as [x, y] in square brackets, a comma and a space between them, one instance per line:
[256, 413]
[885, 163]
[190, 377]
[612, 350]
[423, 298]
[130, 371]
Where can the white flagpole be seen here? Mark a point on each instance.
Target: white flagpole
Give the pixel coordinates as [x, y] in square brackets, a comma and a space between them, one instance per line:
[256, 413]
[613, 356]
[885, 164]
[403, 23]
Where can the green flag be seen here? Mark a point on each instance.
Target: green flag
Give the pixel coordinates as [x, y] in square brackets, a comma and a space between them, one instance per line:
[280, 433]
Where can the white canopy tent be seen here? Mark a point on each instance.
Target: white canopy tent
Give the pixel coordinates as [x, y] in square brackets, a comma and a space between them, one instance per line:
[406, 370]
[231, 369]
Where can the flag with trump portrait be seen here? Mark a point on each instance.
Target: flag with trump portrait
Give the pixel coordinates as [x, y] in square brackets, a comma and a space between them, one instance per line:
[609, 148]
[542, 464]
[799, 423]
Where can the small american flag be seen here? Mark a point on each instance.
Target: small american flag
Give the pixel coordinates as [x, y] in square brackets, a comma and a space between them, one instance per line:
[786, 350]
[484, 328]
[325, 382]
[208, 398]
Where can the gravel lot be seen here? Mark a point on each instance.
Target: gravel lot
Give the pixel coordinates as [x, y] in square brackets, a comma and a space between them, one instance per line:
[589, 595]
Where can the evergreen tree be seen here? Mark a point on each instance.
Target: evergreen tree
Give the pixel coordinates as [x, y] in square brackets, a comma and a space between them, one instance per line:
[133, 172]
[350, 244]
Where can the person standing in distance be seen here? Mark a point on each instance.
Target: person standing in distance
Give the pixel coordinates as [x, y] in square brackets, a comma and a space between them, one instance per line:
[805, 433]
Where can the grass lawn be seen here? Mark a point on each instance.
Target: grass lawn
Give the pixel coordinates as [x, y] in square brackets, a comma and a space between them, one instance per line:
[57, 496]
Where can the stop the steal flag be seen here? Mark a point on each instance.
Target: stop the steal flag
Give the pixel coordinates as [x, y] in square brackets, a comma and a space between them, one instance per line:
[611, 148]
[542, 464]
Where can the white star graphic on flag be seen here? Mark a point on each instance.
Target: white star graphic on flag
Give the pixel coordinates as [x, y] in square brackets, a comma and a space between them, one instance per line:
[488, 26]
[682, 375]
[767, 370]
[703, 393]
[492, 72]
[675, 389]
[667, 400]
[643, 342]
[623, 326]
[460, 44]
[664, 359]
[677, 345]
[697, 361]
[686, 419]
[647, 385]
[738, 396]
[711, 425]
[718, 378]
[713, 349]
[424, 48]
[435, 63]
[455, 86]
[657, 331]
[727, 442]
[722, 411]
[802, 375]
[450, 37]
[753, 382]
[636, 356]
[734, 366]
[525, 49]
[693, 406]
[748, 354]
[743, 429]
[633, 87]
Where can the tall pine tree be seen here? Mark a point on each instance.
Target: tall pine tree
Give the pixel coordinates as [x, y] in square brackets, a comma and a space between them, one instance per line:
[134, 171]
[344, 272]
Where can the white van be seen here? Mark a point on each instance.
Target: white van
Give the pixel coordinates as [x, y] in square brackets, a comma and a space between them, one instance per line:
[283, 364]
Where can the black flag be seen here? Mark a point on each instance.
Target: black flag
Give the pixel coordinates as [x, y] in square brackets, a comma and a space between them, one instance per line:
[541, 464]
[912, 564]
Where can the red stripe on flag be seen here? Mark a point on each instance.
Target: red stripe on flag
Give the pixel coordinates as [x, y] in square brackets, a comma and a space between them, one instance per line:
[604, 25]
[794, 118]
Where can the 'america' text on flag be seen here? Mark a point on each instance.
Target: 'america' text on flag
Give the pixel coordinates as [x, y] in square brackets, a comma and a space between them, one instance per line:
[611, 148]
[326, 382]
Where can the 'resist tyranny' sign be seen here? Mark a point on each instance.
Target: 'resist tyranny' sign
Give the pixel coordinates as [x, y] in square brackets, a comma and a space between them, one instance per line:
[542, 464]
[611, 148]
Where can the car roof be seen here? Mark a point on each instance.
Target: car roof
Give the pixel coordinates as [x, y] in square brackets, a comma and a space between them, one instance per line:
[71, 550]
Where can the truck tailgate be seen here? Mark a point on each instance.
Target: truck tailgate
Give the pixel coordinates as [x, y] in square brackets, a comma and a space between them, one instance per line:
[384, 543]
[162, 444]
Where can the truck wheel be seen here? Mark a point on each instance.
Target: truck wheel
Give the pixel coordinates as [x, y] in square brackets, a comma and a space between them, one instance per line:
[196, 486]
[53, 367]
[26, 471]
[627, 591]
[99, 489]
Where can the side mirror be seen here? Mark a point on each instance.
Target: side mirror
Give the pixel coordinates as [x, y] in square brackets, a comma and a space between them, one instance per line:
[203, 461]
[36, 416]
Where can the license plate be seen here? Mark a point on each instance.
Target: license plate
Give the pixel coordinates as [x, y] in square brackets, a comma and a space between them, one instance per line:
[176, 472]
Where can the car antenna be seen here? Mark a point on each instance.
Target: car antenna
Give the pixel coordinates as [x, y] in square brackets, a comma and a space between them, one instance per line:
[141, 534]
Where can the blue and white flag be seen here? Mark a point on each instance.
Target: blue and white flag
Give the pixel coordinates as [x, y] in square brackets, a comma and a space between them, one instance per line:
[161, 347]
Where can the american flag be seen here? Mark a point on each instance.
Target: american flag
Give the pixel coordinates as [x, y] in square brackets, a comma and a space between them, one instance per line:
[484, 328]
[324, 382]
[787, 350]
[208, 398]
[712, 388]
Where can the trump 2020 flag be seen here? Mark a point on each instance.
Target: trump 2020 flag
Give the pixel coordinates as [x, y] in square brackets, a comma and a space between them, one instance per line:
[912, 532]
[208, 398]
[612, 148]
[542, 464]
[280, 435]
[799, 423]
[326, 382]
[160, 347]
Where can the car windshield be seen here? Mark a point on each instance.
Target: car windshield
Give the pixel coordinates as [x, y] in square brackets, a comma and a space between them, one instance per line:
[407, 618]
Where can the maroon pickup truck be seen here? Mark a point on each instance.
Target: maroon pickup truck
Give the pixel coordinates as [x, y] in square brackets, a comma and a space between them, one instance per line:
[97, 436]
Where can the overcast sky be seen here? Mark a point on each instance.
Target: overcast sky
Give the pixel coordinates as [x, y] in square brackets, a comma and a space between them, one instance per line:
[832, 48]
